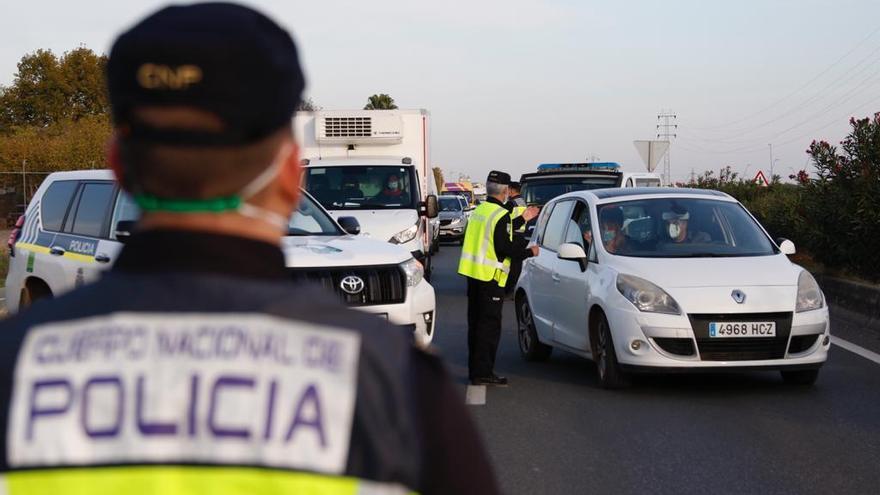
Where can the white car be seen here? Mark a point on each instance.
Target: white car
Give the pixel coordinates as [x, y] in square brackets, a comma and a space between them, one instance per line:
[78, 221]
[683, 279]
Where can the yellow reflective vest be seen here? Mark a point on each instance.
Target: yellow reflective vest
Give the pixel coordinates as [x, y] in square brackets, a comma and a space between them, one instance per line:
[478, 258]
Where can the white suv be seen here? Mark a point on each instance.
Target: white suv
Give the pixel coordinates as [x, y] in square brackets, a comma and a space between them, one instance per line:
[655, 279]
[77, 222]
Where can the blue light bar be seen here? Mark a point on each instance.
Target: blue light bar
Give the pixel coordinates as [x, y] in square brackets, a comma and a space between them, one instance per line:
[579, 166]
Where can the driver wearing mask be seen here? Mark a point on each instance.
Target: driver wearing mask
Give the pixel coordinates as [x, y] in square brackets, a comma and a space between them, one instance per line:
[393, 190]
[677, 227]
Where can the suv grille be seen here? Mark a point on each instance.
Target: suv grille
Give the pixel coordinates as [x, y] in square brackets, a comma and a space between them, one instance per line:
[741, 349]
[348, 127]
[381, 284]
[445, 222]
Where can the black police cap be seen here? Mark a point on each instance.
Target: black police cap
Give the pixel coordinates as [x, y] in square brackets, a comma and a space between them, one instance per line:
[497, 177]
[222, 58]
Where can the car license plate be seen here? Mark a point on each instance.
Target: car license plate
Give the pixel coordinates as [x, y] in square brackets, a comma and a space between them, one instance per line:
[728, 329]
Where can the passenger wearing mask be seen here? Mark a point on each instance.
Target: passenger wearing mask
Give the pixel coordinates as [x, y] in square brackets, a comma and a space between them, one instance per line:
[611, 228]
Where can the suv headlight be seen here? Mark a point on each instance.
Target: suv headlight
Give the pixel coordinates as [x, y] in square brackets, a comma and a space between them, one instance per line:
[646, 296]
[414, 271]
[405, 236]
[809, 295]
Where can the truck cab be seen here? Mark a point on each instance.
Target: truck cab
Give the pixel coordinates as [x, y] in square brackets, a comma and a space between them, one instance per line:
[374, 165]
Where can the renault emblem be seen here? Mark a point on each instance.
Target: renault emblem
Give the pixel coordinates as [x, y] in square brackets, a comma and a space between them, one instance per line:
[352, 284]
[738, 296]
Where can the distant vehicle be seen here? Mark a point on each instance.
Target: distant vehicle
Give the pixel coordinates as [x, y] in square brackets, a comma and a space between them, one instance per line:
[641, 179]
[374, 165]
[453, 218]
[656, 279]
[462, 188]
[77, 222]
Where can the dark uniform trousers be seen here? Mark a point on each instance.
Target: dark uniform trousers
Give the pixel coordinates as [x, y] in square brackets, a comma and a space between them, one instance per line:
[485, 302]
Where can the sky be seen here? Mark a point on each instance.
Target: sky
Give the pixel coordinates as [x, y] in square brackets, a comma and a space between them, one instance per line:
[514, 83]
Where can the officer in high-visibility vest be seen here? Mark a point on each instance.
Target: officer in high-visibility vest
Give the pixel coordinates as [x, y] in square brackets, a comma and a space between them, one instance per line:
[516, 204]
[488, 250]
[195, 365]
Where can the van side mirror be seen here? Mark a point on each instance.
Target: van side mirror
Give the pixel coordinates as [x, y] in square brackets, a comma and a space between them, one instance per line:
[123, 230]
[430, 208]
[786, 246]
[350, 225]
[573, 252]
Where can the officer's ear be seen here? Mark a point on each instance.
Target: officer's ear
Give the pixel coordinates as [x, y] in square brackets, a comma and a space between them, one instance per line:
[290, 176]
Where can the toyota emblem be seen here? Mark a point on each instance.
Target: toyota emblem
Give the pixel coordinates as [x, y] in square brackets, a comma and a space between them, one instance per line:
[352, 284]
[738, 296]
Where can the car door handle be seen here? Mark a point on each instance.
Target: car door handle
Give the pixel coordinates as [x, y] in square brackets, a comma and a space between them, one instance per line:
[102, 258]
[56, 251]
[555, 277]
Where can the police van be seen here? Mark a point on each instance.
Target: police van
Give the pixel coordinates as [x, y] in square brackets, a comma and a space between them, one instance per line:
[77, 222]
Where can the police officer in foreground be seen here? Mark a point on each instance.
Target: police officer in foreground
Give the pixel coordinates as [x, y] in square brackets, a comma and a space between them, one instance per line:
[194, 365]
[488, 250]
[516, 205]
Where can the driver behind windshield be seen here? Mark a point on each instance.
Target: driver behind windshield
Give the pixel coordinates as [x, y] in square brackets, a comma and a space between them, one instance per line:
[677, 220]
[611, 228]
[392, 191]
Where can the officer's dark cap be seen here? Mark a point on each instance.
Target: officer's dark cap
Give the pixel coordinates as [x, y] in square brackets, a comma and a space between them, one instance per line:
[499, 177]
[222, 58]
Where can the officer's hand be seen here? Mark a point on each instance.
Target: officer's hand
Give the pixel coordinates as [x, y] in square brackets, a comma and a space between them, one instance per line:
[535, 250]
[530, 213]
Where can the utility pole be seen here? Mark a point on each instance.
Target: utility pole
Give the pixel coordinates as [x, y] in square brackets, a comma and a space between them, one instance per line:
[666, 130]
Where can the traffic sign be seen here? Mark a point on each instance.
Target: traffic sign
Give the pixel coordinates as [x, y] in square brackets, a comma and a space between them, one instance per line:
[651, 152]
[760, 179]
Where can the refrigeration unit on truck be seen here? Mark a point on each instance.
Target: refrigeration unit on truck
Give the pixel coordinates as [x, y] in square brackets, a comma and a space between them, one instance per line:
[374, 165]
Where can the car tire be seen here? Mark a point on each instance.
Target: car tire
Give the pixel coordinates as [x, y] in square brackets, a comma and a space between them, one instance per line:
[611, 376]
[530, 348]
[800, 377]
[428, 267]
[34, 290]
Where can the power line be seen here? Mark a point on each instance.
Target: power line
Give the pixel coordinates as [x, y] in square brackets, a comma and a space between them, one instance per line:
[799, 89]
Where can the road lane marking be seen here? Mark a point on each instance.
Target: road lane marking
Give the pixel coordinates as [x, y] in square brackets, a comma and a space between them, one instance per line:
[475, 395]
[861, 351]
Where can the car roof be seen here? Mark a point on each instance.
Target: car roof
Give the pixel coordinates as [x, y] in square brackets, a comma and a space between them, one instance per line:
[101, 174]
[610, 194]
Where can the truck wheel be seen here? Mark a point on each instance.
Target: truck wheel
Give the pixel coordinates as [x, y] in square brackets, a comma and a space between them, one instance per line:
[610, 374]
[530, 347]
[33, 290]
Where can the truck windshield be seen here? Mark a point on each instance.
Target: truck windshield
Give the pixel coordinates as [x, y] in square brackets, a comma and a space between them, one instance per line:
[539, 192]
[355, 187]
[311, 219]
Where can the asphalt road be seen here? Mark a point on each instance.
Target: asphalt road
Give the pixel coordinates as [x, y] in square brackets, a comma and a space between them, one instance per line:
[553, 430]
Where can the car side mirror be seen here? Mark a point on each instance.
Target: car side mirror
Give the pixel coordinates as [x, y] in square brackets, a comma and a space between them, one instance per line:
[786, 246]
[573, 252]
[430, 208]
[123, 230]
[350, 225]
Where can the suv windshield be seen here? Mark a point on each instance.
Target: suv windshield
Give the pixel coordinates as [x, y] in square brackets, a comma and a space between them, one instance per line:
[311, 219]
[540, 191]
[680, 228]
[362, 187]
[450, 204]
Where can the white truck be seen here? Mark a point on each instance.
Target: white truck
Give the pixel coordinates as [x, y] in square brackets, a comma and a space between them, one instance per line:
[374, 165]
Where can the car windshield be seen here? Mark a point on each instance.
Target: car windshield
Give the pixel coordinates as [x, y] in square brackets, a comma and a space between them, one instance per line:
[362, 187]
[450, 204]
[680, 228]
[311, 219]
[539, 192]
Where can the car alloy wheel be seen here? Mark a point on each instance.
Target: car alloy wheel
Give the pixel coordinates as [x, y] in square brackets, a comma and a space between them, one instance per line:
[611, 376]
[530, 347]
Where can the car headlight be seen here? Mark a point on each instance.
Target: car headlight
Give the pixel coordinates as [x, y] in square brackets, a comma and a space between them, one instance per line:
[414, 272]
[405, 236]
[456, 221]
[809, 295]
[646, 296]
